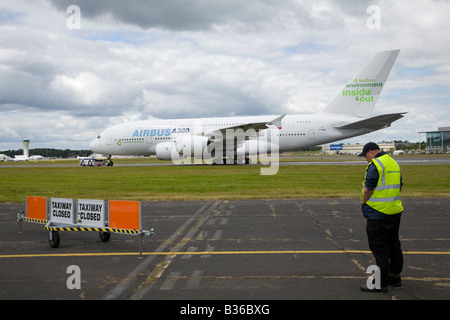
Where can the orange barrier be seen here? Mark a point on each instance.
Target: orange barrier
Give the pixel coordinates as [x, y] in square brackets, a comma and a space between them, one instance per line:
[36, 209]
[125, 214]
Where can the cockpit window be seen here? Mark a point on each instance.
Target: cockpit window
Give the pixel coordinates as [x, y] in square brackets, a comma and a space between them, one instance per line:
[99, 137]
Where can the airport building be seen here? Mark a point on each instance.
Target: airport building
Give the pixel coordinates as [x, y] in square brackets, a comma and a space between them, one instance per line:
[437, 141]
[354, 149]
[4, 157]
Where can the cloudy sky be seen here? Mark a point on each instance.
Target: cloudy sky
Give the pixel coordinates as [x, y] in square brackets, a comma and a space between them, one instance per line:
[67, 74]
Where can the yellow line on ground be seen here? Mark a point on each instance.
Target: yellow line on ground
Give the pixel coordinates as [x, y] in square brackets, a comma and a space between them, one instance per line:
[101, 254]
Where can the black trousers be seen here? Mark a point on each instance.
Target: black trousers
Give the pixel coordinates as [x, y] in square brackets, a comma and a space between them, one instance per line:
[384, 243]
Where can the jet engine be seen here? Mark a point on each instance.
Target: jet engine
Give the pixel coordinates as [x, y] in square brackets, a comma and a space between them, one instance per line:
[167, 151]
[183, 147]
[257, 147]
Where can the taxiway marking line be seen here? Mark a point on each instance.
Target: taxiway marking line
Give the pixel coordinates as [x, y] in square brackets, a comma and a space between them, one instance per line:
[104, 254]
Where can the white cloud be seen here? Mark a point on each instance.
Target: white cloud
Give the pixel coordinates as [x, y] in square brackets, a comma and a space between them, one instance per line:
[141, 59]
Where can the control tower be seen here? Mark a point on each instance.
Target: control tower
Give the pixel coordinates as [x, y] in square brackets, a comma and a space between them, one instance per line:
[26, 148]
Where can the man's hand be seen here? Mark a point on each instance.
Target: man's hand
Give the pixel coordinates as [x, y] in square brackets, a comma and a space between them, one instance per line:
[366, 195]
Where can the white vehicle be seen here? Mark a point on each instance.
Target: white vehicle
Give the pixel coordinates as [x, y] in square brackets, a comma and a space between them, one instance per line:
[93, 162]
[348, 115]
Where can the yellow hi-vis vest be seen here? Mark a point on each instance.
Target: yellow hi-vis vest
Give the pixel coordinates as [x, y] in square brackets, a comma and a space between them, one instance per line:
[386, 196]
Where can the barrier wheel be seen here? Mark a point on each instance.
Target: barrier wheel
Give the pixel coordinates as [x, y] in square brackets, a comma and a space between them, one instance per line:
[104, 236]
[54, 239]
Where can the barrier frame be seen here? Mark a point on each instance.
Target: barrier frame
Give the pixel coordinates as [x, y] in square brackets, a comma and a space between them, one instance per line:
[38, 208]
[34, 203]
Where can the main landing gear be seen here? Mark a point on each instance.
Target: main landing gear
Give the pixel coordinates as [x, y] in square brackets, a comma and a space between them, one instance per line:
[232, 161]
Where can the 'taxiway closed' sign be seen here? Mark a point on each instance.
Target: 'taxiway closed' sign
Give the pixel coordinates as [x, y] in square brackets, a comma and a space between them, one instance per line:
[62, 210]
[91, 213]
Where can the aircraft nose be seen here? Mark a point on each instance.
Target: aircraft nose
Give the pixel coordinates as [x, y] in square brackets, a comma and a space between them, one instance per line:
[94, 145]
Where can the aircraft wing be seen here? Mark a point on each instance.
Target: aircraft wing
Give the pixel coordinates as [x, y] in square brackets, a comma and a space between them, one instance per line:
[374, 123]
[257, 126]
[243, 131]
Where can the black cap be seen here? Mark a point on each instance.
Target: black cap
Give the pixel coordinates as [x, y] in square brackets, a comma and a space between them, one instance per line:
[369, 146]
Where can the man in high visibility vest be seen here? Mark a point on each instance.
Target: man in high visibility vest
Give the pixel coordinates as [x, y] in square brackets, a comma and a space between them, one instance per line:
[382, 207]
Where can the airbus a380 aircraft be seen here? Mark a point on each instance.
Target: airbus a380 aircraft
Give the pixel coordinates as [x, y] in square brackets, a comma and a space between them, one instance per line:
[348, 115]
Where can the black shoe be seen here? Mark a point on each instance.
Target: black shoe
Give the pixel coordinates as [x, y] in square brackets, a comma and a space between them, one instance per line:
[366, 289]
[395, 281]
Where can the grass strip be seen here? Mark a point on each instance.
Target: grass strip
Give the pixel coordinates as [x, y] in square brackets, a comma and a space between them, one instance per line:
[146, 183]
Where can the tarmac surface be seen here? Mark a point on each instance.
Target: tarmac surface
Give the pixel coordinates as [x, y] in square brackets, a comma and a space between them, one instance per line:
[248, 250]
[323, 160]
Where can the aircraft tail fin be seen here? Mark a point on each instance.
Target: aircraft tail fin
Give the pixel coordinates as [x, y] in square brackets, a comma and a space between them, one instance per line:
[359, 95]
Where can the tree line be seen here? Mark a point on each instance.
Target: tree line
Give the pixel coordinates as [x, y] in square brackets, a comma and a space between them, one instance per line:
[49, 153]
